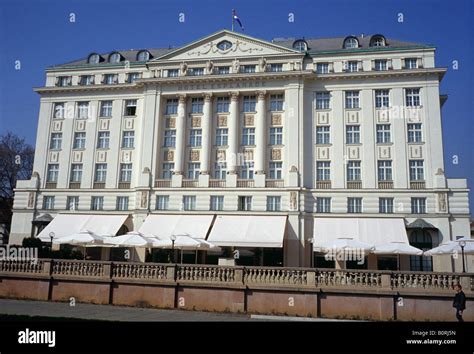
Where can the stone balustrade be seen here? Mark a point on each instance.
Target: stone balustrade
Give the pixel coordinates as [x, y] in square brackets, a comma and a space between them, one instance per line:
[349, 278]
[206, 273]
[139, 271]
[78, 268]
[26, 266]
[275, 276]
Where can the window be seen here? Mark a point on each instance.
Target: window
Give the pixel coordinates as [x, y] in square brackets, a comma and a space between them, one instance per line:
[353, 171]
[97, 203]
[412, 97]
[382, 98]
[322, 135]
[221, 136]
[352, 134]
[94, 58]
[246, 170]
[222, 104]
[351, 42]
[380, 64]
[128, 139]
[300, 45]
[122, 203]
[418, 205]
[217, 202]
[115, 58]
[247, 69]
[249, 104]
[193, 170]
[276, 136]
[421, 239]
[72, 203]
[383, 133]
[195, 137]
[189, 202]
[56, 139]
[173, 72]
[143, 55]
[224, 45]
[273, 203]
[276, 68]
[106, 109]
[86, 80]
[322, 68]
[53, 171]
[323, 170]
[354, 205]
[132, 77]
[323, 205]
[223, 70]
[162, 202]
[386, 205]
[416, 170]
[76, 172]
[384, 170]
[197, 104]
[196, 72]
[323, 100]
[245, 203]
[167, 170]
[352, 99]
[82, 110]
[170, 138]
[414, 133]
[100, 172]
[352, 66]
[110, 79]
[248, 136]
[276, 103]
[220, 170]
[377, 41]
[58, 110]
[64, 81]
[130, 107]
[125, 172]
[103, 140]
[48, 202]
[275, 170]
[411, 63]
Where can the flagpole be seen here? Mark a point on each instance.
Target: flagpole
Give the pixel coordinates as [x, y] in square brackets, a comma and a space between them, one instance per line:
[233, 20]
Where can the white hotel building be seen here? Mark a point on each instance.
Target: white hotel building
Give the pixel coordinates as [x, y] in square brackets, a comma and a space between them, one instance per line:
[270, 146]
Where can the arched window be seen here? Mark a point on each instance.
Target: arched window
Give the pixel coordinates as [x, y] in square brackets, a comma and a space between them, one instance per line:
[224, 45]
[421, 239]
[300, 45]
[143, 55]
[377, 40]
[115, 58]
[94, 58]
[351, 42]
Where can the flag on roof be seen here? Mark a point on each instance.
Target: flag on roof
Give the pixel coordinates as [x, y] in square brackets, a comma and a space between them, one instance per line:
[236, 18]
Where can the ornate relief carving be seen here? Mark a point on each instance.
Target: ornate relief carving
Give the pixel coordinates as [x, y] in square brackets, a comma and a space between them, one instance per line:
[171, 123]
[169, 155]
[194, 155]
[276, 119]
[262, 64]
[207, 97]
[183, 69]
[293, 201]
[235, 66]
[276, 154]
[442, 202]
[143, 199]
[31, 199]
[209, 66]
[196, 122]
[249, 120]
[293, 168]
[220, 156]
[222, 121]
[234, 96]
[248, 154]
[182, 99]
[261, 95]
[211, 47]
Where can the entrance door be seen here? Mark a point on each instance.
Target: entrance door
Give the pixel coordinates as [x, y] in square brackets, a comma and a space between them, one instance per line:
[421, 239]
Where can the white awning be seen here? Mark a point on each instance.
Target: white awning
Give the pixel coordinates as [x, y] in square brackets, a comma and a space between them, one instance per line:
[375, 231]
[67, 224]
[248, 231]
[164, 226]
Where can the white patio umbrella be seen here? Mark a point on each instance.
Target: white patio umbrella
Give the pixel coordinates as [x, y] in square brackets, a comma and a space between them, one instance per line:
[130, 239]
[344, 244]
[397, 248]
[82, 238]
[451, 247]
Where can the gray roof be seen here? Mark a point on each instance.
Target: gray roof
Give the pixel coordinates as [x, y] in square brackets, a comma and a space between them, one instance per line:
[315, 45]
[420, 224]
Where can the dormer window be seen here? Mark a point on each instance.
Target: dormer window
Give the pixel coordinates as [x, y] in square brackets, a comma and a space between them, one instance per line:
[351, 43]
[377, 41]
[64, 81]
[94, 58]
[300, 45]
[143, 55]
[115, 58]
[224, 45]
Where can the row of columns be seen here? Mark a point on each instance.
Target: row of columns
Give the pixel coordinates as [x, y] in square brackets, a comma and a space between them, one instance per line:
[233, 127]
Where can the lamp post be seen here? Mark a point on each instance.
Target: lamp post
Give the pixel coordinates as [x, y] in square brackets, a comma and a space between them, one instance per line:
[35, 201]
[147, 171]
[311, 241]
[173, 239]
[51, 236]
[463, 244]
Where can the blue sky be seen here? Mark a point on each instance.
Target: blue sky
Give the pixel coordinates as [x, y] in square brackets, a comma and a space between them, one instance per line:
[39, 34]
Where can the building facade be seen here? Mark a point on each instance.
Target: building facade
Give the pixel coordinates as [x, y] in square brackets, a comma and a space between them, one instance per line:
[342, 128]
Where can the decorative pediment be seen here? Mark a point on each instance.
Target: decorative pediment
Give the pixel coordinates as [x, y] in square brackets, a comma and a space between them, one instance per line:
[225, 44]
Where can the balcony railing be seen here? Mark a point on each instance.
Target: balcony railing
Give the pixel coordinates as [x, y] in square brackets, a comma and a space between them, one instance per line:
[274, 183]
[417, 184]
[74, 185]
[385, 184]
[51, 185]
[124, 185]
[245, 183]
[162, 183]
[190, 183]
[99, 185]
[354, 185]
[217, 183]
[323, 184]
